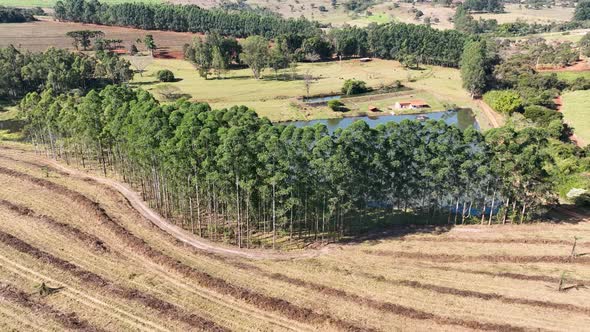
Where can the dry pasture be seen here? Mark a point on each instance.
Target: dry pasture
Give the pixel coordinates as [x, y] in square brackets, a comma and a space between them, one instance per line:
[110, 269]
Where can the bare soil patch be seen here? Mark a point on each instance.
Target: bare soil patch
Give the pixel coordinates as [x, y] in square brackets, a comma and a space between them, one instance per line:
[40, 35]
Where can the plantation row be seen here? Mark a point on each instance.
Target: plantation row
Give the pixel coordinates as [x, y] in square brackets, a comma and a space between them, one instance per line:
[389, 41]
[229, 173]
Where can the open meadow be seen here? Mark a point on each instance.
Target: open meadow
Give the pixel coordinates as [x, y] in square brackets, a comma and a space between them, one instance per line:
[279, 98]
[516, 12]
[76, 252]
[576, 111]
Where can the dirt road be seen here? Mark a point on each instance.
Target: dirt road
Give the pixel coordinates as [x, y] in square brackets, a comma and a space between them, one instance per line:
[490, 113]
[180, 234]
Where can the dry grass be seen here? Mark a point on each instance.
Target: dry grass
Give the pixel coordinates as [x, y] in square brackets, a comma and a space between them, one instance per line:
[367, 286]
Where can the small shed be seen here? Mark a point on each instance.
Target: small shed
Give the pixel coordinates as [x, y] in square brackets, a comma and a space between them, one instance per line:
[373, 108]
[365, 59]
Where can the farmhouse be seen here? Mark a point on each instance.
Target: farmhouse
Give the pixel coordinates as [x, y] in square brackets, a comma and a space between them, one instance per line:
[411, 104]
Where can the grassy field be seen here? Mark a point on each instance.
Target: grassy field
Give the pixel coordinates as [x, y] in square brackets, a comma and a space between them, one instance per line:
[278, 100]
[576, 111]
[10, 127]
[110, 269]
[570, 75]
[514, 12]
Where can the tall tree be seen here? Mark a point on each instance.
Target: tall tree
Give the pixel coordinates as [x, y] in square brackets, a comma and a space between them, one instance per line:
[473, 68]
[255, 54]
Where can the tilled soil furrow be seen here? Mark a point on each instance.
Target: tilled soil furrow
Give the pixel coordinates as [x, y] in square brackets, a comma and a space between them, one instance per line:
[382, 305]
[508, 275]
[167, 309]
[68, 320]
[449, 258]
[95, 304]
[480, 295]
[495, 241]
[262, 301]
[91, 240]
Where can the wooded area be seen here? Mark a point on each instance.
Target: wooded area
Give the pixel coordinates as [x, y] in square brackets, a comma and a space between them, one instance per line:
[228, 174]
[302, 37]
[61, 70]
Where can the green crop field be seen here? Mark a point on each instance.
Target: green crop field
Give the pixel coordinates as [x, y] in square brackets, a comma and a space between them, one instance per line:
[279, 99]
[577, 113]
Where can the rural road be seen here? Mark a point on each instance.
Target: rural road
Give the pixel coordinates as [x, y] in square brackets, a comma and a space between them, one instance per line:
[180, 234]
[490, 113]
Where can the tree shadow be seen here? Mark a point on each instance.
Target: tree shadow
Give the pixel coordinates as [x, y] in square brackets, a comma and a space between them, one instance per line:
[138, 84]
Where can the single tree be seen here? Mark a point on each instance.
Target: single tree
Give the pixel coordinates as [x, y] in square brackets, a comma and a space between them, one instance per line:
[255, 54]
[83, 37]
[149, 43]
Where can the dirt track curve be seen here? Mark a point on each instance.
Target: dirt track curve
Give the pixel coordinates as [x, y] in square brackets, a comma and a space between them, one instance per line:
[180, 234]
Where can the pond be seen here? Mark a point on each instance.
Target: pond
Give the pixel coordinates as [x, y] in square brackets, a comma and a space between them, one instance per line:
[320, 100]
[462, 118]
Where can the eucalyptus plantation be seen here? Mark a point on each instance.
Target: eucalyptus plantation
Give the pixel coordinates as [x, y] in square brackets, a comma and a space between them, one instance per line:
[229, 175]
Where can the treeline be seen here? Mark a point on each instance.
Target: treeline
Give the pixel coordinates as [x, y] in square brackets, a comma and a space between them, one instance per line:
[302, 38]
[429, 46]
[18, 15]
[229, 175]
[189, 18]
[61, 70]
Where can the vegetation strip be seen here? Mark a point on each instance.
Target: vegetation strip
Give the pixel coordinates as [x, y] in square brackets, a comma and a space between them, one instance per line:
[94, 242]
[68, 320]
[262, 301]
[167, 309]
[447, 258]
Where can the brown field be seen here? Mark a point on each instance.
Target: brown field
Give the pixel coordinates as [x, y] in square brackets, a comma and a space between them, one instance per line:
[110, 269]
[38, 36]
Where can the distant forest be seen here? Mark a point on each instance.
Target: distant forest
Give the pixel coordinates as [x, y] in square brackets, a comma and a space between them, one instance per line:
[18, 15]
[389, 41]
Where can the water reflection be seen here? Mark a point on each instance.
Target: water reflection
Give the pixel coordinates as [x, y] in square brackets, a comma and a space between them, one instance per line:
[462, 118]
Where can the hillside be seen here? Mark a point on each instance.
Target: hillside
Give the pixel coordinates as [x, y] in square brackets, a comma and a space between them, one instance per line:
[109, 268]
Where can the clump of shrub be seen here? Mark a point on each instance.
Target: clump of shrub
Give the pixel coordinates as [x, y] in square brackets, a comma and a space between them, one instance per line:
[337, 106]
[504, 101]
[541, 115]
[165, 75]
[354, 87]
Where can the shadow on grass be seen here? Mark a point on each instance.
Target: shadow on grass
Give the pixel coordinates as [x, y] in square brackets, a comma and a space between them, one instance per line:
[10, 129]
